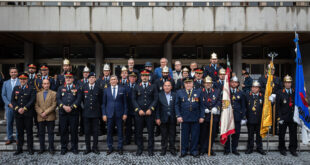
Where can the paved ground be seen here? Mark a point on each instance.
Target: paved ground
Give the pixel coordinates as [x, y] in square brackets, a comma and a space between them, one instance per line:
[130, 158]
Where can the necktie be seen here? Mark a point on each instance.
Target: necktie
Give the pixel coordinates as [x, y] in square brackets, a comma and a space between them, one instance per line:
[144, 86]
[91, 87]
[113, 93]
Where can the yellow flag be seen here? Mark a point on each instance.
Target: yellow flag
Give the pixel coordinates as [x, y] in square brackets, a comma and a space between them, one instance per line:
[267, 108]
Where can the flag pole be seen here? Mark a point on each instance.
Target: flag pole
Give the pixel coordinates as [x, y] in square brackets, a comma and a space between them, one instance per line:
[298, 126]
[230, 143]
[210, 135]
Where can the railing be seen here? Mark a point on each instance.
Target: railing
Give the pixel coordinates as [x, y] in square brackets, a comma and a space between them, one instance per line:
[158, 3]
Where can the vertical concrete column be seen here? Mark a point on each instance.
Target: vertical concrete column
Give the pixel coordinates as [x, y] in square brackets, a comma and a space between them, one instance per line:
[237, 59]
[305, 51]
[28, 54]
[99, 58]
[168, 52]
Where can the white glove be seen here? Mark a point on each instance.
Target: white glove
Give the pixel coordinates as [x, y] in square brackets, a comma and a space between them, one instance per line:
[274, 96]
[281, 121]
[214, 110]
[243, 122]
[207, 110]
[271, 98]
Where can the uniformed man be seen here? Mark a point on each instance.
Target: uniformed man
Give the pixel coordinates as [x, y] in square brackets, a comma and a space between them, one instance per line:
[180, 84]
[219, 83]
[104, 82]
[23, 97]
[189, 113]
[124, 77]
[198, 82]
[165, 118]
[148, 66]
[277, 85]
[130, 121]
[213, 68]
[177, 73]
[144, 98]
[68, 100]
[254, 107]
[80, 85]
[114, 112]
[91, 113]
[32, 74]
[238, 105]
[165, 77]
[61, 77]
[285, 104]
[247, 84]
[211, 103]
[44, 75]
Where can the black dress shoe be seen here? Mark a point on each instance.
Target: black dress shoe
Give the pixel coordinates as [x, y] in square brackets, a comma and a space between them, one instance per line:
[18, 152]
[202, 153]
[294, 153]
[41, 152]
[282, 152]
[75, 152]
[262, 152]
[127, 142]
[182, 155]
[63, 152]
[139, 152]
[96, 151]
[52, 151]
[30, 151]
[226, 152]
[109, 152]
[57, 134]
[195, 155]
[236, 153]
[213, 153]
[81, 134]
[151, 153]
[120, 152]
[173, 153]
[86, 152]
[249, 151]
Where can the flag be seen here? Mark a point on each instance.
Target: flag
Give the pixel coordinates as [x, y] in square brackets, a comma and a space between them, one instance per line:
[301, 112]
[227, 115]
[267, 107]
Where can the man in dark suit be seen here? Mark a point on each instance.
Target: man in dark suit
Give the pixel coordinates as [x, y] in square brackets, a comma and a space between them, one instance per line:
[91, 113]
[198, 81]
[247, 84]
[68, 99]
[114, 111]
[130, 121]
[148, 66]
[23, 98]
[144, 98]
[165, 77]
[180, 84]
[165, 118]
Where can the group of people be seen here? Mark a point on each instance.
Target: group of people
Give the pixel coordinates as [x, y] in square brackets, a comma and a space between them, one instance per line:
[127, 103]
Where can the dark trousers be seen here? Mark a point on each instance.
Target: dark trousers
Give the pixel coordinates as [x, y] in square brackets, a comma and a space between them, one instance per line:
[91, 126]
[168, 133]
[50, 125]
[110, 127]
[292, 133]
[69, 122]
[254, 129]
[129, 131]
[141, 121]
[234, 138]
[102, 126]
[81, 124]
[35, 120]
[190, 135]
[24, 123]
[205, 135]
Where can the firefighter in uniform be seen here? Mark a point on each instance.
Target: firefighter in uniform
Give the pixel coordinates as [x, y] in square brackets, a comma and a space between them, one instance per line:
[91, 113]
[32, 74]
[247, 84]
[189, 113]
[213, 68]
[144, 98]
[285, 105]
[180, 84]
[165, 77]
[123, 81]
[61, 77]
[198, 82]
[254, 107]
[68, 99]
[211, 103]
[80, 85]
[238, 105]
[23, 98]
[221, 78]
